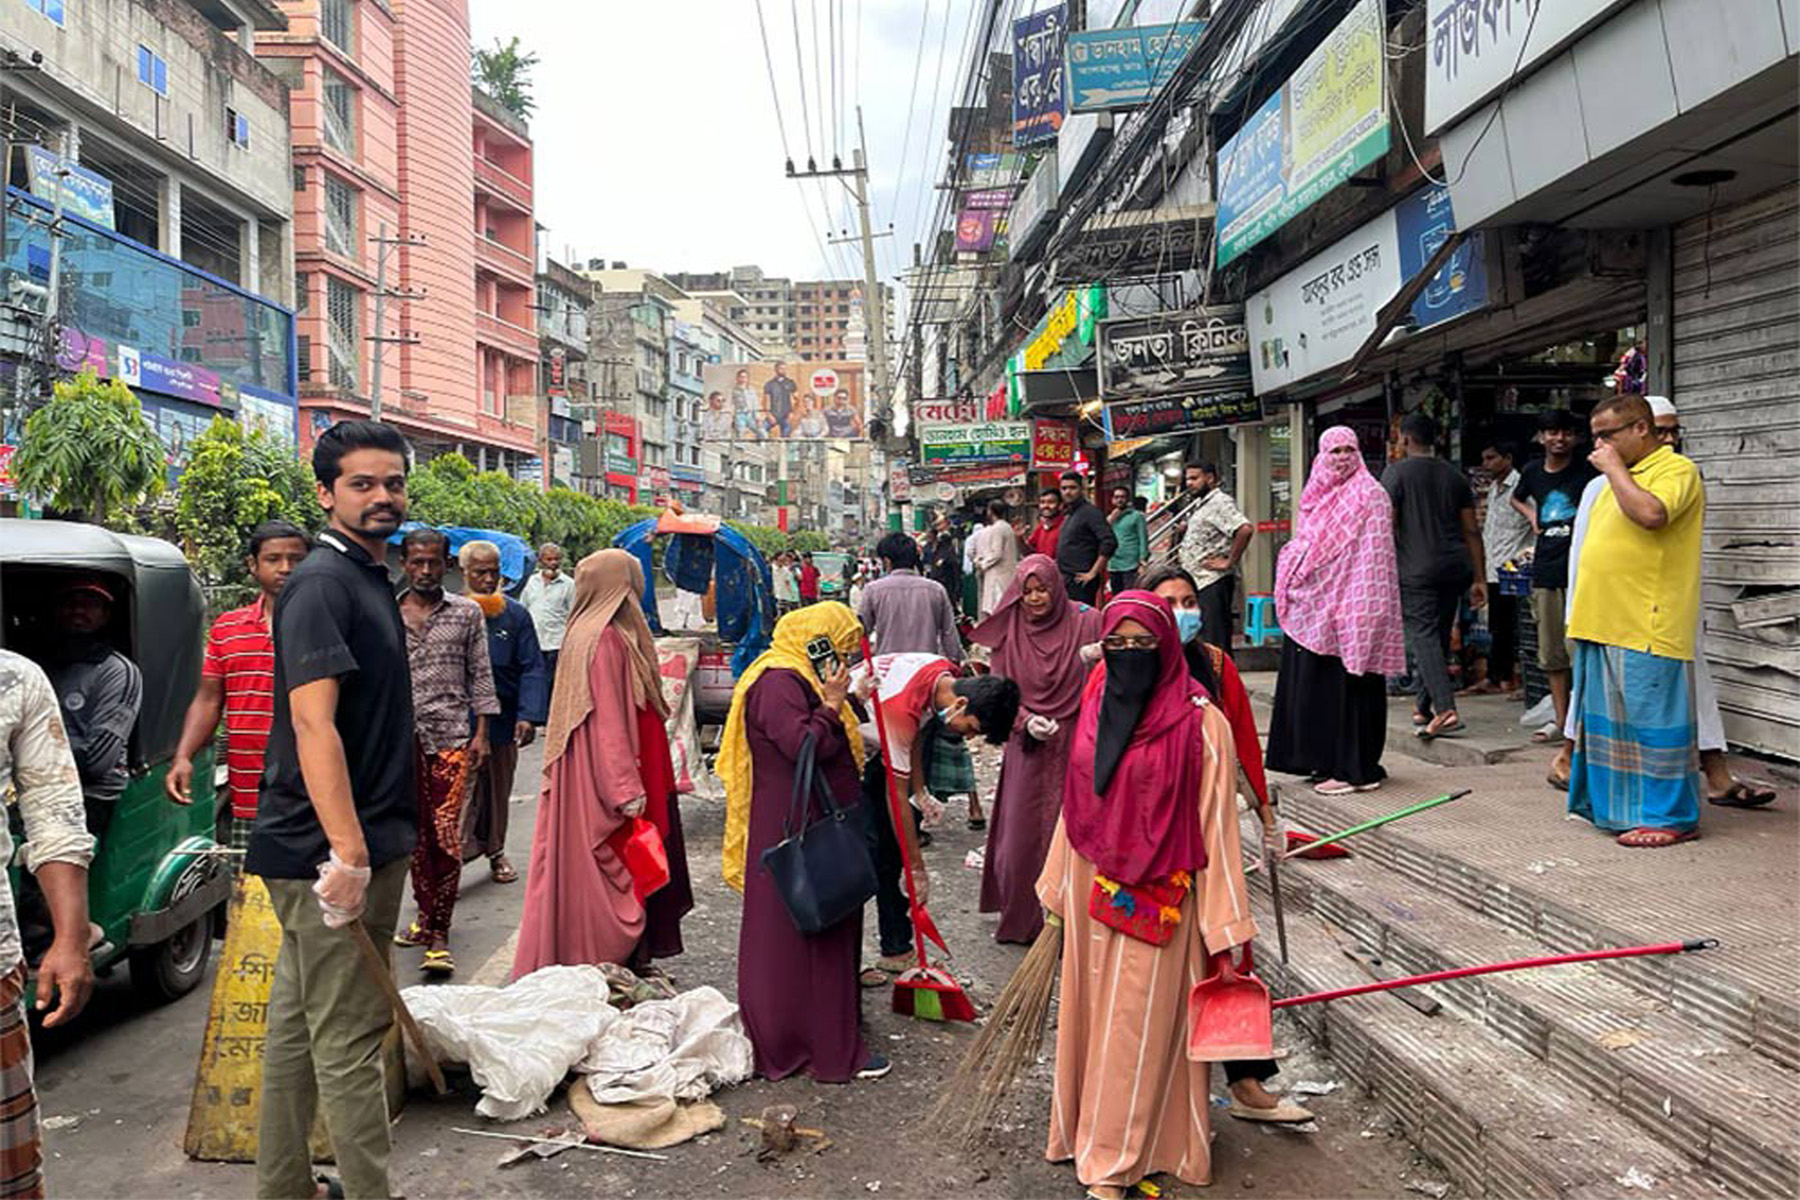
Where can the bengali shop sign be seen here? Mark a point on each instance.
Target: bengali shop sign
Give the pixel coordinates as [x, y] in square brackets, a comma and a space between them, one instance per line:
[964, 445]
[990, 476]
[1325, 123]
[1123, 68]
[1157, 415]
[1052, 445]
[1189, 353]
[948, 412]
[1038, 100]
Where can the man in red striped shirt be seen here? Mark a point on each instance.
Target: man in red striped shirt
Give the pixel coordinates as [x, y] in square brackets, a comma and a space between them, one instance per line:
[237, 681]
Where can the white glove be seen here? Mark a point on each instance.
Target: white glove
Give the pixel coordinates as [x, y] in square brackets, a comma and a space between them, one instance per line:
[1040, 727]
[633, 808]
[342, 891]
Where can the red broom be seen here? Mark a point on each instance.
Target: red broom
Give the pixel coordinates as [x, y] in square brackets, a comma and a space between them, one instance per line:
[928, 990]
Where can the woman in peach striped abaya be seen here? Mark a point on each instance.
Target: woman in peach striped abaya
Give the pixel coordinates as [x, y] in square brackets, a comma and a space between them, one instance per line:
[1145, 875]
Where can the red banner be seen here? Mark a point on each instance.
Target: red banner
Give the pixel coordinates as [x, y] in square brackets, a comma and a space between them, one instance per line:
[1052, 445]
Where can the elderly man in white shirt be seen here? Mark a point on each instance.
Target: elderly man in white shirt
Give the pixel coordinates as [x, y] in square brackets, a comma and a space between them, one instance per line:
[1506, 536]
[548, 596]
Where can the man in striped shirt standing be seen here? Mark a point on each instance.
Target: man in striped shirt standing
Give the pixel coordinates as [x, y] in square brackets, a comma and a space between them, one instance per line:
[237, 681]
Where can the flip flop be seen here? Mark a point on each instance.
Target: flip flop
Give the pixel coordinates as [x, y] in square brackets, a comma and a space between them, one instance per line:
[412, 935]
[874, 977]
[1455, 729]
[1743, 795]
[1655, 839]
[1545, 737]
[501, 870]
[438, 962]
[1557, 785]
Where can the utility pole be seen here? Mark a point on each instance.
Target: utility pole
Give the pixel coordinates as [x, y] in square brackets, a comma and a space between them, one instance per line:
[857, 177]
[380, 338]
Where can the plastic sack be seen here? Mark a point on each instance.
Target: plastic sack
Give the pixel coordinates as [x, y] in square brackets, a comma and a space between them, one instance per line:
[681, 1049]
[519, 1041]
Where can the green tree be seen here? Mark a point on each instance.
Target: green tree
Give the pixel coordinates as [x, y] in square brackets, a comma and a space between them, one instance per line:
[90, 453]
[809, 541]
[505, 74]
[235, 480]
[768, 541]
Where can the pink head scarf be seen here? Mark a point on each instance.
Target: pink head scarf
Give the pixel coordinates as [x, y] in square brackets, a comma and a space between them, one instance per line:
[1147, 825]
[1337, 588]
[1043, 656]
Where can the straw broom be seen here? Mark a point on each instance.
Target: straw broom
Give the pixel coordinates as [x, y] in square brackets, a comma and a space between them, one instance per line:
[1008, 1043]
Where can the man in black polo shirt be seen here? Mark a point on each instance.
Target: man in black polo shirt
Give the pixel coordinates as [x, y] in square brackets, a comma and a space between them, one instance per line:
[1085, 543]
[336, 820]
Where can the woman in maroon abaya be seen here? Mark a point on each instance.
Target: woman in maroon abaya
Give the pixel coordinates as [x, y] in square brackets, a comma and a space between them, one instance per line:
[1036, 633]
[798, 993]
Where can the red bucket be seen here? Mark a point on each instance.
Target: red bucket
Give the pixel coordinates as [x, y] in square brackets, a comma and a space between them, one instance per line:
[640, 848]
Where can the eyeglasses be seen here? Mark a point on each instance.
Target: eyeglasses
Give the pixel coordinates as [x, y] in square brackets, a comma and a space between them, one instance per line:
[1668, 432]
[1125, 641]
[1607, 435]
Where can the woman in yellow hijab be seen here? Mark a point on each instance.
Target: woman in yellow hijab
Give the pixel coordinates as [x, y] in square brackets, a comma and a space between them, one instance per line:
[800, 686]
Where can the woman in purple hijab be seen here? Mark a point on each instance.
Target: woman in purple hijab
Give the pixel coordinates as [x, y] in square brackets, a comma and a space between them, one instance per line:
[1036, 634]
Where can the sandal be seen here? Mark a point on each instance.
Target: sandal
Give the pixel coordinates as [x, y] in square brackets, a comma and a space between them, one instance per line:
[1451, 728]
[412, 935]
[1547, 736]
[874, 977]
[1743, 795]
[1655, 839]
[1557, 785]
[1285, 1112]
[977, 823]
[500, 870]
[438, 962]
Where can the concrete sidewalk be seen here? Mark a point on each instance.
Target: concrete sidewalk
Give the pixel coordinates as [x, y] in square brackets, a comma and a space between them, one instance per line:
[1684, 1069]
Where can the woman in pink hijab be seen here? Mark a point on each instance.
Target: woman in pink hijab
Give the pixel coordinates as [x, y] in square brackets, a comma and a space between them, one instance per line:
[1036, 634]
[1337, 596]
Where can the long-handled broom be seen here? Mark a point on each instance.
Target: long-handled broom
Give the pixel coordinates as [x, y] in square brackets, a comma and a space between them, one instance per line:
[1008, 1043]
[928, 990]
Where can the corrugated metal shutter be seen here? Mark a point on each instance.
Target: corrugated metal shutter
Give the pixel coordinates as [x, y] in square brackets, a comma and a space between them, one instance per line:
[1737, 386]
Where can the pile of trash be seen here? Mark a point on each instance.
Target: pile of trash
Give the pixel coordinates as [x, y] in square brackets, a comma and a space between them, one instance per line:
[647, 1064]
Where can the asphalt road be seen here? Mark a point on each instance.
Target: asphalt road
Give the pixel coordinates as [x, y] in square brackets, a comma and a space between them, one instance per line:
[116, 1086]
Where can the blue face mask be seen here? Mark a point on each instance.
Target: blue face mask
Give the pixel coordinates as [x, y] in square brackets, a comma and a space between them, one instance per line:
[1187, 623]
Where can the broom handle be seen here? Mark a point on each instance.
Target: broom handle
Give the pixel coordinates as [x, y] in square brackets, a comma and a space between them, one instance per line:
[1408, 811]
[1517, 965]
[895, 812]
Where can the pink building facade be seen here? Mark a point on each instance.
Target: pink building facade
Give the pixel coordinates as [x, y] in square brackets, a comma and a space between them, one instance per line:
[386, 142]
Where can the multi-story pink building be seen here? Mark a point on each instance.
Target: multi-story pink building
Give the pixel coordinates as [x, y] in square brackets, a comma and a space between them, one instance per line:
[386, 144]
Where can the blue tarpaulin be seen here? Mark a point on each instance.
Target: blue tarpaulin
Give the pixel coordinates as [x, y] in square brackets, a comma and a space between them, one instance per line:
[744, 595]
[516, 555]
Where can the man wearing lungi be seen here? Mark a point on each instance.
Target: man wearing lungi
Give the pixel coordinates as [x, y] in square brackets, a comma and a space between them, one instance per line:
[1633, 622]
[446, 647]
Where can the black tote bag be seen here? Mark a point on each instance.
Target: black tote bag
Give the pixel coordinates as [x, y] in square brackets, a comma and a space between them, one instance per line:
[822, 872]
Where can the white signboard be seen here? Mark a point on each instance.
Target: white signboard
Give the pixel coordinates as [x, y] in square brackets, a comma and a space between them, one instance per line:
[1316, 315]
[1473, 47]
[949, 412]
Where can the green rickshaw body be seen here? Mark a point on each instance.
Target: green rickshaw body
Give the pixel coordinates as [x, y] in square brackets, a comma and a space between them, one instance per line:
[157, 878]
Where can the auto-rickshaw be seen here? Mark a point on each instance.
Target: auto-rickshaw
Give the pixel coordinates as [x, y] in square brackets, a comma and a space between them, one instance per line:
[157, 877]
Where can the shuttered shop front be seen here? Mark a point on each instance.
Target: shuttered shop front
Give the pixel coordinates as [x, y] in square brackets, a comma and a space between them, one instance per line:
[1737, 387]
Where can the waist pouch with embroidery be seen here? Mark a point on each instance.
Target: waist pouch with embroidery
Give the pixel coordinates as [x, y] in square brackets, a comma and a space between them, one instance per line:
[1148, 911]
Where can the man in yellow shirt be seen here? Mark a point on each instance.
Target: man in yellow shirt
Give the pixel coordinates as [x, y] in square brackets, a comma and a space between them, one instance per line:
[1632, 622]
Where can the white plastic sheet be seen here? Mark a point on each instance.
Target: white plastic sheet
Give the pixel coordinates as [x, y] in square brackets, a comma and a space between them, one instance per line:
[519, 1041]
[679, 1049]
[522, 1040]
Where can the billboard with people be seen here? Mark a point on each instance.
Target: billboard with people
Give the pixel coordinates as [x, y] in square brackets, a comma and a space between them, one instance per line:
[776, 401]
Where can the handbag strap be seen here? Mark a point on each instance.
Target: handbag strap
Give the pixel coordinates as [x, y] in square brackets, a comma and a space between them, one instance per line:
[803, 779]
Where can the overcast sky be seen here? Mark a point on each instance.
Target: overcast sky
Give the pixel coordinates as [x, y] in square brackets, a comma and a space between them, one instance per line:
[657, 140]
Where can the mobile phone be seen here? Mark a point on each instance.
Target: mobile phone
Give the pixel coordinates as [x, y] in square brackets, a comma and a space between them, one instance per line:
[823, 656]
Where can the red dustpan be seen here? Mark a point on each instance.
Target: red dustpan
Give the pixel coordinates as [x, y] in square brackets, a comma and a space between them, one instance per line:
[1229, 1018]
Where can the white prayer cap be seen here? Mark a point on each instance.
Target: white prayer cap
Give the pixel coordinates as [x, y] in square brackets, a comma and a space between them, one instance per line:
[1661, 406]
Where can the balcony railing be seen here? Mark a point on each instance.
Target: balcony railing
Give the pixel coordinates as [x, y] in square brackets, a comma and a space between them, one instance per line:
[503, 259]
[498, 181]
[505, 334]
